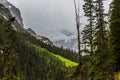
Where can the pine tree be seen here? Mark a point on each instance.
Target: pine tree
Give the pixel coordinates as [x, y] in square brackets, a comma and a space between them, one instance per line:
[88, 8]
[86, 41]
[115, 31]
[102, 68]
[88, 32]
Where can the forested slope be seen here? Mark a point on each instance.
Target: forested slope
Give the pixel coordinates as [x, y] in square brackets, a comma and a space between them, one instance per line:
[27, 58]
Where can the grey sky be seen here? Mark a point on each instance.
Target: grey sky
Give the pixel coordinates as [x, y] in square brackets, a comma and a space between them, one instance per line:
[47, 16]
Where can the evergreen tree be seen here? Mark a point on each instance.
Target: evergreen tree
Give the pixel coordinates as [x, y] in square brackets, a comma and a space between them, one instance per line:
[88, 8]
[102, 59]
[88, 33]
[85, 41]
[115, 31]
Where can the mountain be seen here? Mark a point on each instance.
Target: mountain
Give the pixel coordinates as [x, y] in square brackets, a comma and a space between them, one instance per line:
[67, 43]
[66, 39]
[32, 58]
[4, 10]
[67, 32]
[24, 55]
[31, 31]
[13, 11]
[41, 38]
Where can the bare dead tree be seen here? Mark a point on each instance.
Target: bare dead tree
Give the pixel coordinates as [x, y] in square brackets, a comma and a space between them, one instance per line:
[78, 29]
[77, 13]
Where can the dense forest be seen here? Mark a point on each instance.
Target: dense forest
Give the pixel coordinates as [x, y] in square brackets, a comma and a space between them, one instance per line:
[100, 38]
[24, 57]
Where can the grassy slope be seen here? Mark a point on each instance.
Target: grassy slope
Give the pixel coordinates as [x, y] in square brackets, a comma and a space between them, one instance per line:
[67, 62]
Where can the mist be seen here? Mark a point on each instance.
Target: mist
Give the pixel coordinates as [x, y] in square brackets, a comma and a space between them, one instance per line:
[48, 17]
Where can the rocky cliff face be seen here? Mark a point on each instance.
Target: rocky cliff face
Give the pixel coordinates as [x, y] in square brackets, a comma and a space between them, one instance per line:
[41, 38]
[11, 10]
[4, 10]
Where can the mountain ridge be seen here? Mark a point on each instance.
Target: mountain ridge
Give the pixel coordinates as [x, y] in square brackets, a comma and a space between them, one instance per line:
[15, 12]
[32, 61]
[11, 11]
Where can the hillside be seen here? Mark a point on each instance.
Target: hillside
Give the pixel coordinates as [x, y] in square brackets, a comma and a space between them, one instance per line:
[40, 56]
[46, 63]
[65, 61]
[32, 58]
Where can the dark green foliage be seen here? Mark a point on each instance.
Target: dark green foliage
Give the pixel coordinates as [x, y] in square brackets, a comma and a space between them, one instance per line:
[115, 31]
[36, 64]
[88, 32]
[101, 59]
[56, 50]
[21, 54]
[7, 50]
[100, 62]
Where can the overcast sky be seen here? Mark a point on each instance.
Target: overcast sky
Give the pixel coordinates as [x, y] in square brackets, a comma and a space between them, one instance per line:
[47, 16]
